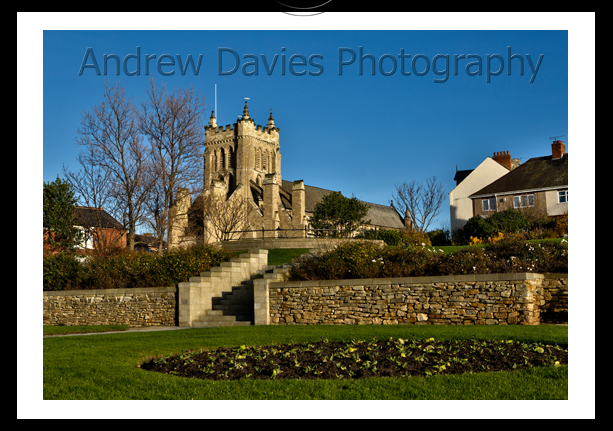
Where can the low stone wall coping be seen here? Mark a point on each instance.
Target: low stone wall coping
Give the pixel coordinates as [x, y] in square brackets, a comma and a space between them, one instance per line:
[270, 243]
[519, 276]
[93, 292]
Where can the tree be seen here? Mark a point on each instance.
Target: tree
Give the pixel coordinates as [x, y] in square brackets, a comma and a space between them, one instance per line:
[58, 216]
[337, 212]
[92, 184]
[115, 163]
[421, 203]
[223, 218]
[173, 123]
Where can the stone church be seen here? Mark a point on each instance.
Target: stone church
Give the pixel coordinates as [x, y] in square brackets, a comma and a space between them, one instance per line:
[242, 166]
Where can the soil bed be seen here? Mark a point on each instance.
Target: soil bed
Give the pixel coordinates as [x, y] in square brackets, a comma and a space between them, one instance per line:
[325, 359]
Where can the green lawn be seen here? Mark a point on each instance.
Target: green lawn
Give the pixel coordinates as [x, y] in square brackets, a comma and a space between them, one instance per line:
[104, 366]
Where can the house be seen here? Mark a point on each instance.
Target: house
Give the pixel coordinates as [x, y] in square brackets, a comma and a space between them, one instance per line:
[100, 228]
[539, 185]
[471, 181]
[242, 163]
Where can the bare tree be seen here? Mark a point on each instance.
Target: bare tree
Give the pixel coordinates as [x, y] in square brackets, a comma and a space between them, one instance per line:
[94, 192]
[110, 133]
[223, 218]
[173, 123]
[422, 203]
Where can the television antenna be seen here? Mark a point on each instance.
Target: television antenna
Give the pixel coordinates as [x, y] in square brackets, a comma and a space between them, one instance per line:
[555, 138]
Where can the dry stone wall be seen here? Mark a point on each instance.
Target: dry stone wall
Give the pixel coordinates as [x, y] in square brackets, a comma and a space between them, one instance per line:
[495, 299]
[137, 307]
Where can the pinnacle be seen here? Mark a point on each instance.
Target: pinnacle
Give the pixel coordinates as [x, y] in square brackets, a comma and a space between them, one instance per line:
[213, 120]
[271, 121]
[246, 112]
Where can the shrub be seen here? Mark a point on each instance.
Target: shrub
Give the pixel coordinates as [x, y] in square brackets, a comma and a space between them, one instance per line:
[391, 237]
[508, 221]
[61, 271]
[366, 260]
[439, 237]
[478, 227]
[561, 226]
[414, 237]
[129, 269]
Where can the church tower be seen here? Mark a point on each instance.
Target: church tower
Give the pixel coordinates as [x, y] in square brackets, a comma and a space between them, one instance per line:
[241, 153]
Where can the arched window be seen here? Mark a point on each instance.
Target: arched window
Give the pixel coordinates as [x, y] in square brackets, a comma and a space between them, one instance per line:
[258, 160]
[222, 159]
[264, 160]
[230, 158]
[214, 161]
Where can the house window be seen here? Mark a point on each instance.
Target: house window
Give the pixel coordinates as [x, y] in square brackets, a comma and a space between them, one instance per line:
[523, 201]
[563, 197]
[489, 204]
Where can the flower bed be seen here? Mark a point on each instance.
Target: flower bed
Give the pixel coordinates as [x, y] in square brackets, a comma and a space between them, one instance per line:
[354, 260]
[358, 359]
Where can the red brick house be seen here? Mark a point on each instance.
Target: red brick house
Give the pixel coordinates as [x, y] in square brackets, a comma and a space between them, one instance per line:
[102, 231]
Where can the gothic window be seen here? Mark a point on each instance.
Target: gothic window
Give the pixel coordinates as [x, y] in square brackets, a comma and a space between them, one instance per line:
[258, 160]
[222, 159]
[214, 161]
[264, 160]
[230, 158]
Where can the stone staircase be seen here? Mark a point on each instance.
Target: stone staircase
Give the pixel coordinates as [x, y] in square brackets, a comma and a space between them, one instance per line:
[224, 296]
[235, 307]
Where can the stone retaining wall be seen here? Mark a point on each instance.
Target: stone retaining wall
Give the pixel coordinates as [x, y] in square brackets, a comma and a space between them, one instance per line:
[493, 299]
[553, 302]
[272, 243]
[154, 306]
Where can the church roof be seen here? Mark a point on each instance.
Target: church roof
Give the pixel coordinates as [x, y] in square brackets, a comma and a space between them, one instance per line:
[379, 215]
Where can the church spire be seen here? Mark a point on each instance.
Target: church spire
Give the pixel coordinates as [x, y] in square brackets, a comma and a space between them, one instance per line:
[213, 120]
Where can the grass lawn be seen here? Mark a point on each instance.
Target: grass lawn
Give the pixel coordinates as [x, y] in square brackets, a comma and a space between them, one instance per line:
[452, 248]
[104, 366]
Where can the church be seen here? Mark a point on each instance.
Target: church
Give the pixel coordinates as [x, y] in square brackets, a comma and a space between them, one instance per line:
[242, 168]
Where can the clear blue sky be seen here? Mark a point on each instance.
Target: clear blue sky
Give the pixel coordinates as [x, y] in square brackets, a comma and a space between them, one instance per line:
[359, 134]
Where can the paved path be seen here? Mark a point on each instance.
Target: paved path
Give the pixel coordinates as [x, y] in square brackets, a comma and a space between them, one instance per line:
[142, 329]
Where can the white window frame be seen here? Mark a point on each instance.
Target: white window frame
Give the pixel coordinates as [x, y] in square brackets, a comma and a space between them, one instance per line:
[488, 204]
[523, 201]
[563, 194]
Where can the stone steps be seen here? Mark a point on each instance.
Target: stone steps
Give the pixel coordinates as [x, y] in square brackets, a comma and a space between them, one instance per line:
[228, 289]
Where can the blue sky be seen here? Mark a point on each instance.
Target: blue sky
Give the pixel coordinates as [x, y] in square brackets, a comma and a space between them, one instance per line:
[359, 134]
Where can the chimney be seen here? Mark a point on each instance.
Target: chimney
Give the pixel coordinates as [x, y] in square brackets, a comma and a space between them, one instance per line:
[504, 158]
[558, 149]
